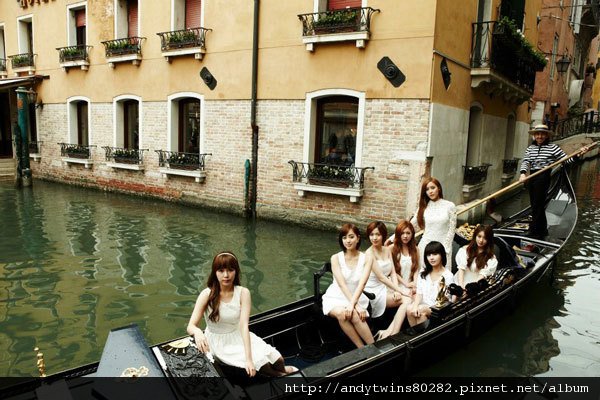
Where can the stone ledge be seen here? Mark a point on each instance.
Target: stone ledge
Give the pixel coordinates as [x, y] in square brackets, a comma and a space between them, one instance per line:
[85, 161]
[353, 193]
[132, 167]
[199, 176]
[360, 38]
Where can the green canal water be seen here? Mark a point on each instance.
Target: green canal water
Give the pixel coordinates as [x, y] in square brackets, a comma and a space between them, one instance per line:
[75, 263]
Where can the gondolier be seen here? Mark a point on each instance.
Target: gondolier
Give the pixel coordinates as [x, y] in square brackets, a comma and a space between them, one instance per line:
[540, 154]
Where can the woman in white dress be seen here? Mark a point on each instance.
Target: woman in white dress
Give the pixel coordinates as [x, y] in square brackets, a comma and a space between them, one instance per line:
[428, 284]
[382, 282]
[226, 309]
[406, 258]
[436, 217]
[476, 261]
[344, 299]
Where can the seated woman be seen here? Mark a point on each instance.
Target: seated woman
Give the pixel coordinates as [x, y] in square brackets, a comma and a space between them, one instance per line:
[383, 282]
[226, 308]
[428, 285]
[344, 298]
[476, 260]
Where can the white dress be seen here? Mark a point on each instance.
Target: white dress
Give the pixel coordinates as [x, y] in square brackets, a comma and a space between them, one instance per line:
[472, 273]
[429, 288]
[440, 224]
[225, 338]
[378, 288]
[334, 297]
[405, 267]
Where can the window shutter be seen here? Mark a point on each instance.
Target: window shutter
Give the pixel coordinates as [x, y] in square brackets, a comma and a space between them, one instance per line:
[80, 18]
[341, 4]
[192, 13]
[132, 18]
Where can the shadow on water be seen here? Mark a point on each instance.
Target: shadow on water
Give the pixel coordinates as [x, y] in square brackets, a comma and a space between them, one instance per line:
[555, 329]
[75, 263]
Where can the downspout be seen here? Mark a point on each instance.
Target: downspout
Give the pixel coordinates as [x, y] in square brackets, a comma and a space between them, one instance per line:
[251, 201]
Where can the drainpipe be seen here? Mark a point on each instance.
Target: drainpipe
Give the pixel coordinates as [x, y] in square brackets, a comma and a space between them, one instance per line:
[251, 201]
[23, 171]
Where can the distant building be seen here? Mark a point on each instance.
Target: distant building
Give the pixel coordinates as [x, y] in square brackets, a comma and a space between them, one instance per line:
[356, 100]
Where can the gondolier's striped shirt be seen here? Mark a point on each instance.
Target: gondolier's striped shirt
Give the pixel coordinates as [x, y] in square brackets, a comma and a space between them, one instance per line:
[539, 157]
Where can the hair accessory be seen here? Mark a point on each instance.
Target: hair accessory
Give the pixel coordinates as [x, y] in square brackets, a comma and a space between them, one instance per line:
[226, 253]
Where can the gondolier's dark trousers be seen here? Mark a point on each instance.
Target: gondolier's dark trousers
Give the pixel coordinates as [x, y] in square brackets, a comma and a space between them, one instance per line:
[538, 187]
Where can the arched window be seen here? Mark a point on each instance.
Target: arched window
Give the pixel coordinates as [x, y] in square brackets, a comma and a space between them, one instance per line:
[475, 136]
[127, 114]
[337, 118]
[78, 116]
[185, 122]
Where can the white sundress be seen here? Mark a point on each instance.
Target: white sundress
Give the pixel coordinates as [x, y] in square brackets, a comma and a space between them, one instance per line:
[472, 273]
[225, 338]
[378, 288]
[405, 267]
[334, 297]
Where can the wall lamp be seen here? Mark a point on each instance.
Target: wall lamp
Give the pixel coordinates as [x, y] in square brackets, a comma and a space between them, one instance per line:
[562, 65]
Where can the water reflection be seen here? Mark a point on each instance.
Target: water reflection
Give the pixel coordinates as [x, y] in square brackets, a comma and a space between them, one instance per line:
[76, 263]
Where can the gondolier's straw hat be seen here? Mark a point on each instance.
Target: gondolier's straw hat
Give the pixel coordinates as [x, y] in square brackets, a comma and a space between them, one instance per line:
[540, 128]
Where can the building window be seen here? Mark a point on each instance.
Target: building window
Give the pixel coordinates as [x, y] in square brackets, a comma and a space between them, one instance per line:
[553, 60]
[341, 4]
[336, 122]
[76, 27]
[186, 14]
[185, 122]
[128, 122]
[25, 35]
[2, 49]
[78, 116]
[475, 139]
[126, 18]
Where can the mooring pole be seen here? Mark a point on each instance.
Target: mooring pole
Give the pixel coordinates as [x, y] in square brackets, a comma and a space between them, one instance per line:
[23, 121]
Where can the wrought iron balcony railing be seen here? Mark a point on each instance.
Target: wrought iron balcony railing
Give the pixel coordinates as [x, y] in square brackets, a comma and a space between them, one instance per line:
[123, 155]
[2, 64]
[183, 39]
[588, 122]
[475, 175]
[73, 150]
[337, 21]
[22, 60]
[497, 46]
[329, 174]
[509, 167]
[34, 147]
[181, 160]
[123, 46]
[73, 53]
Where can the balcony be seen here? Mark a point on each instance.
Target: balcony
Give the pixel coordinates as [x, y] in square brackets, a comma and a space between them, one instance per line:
[473, 180]
[35, 150]
[123, 158]
[503, 63]
[76, 154]
[3, 73]
[182, 164]
[74, 56]
[183, 42]
[23, 63]
[124, 50]
[509, 169]
[349, 24]
[342, 180]
[590, 18]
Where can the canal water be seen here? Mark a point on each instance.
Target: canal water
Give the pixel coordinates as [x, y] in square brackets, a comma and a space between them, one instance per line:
[75, 263]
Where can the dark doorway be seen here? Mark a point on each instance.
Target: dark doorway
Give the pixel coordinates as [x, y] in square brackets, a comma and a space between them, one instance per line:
[6, 148]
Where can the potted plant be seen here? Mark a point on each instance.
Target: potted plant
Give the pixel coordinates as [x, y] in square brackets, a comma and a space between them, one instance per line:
[331, 175]
[73, 53]
[75, 151]
[347, 20]
[184, 161]
[182, 39]
[126, 156]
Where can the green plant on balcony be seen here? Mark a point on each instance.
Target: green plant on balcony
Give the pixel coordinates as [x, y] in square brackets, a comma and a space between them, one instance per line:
[21, 61]
[507, 32]
[329, 175]
[127, 156]
[75, 151]
[184, 161]
[73, 53]
[182, 37]
[337, 21]
[122, 46]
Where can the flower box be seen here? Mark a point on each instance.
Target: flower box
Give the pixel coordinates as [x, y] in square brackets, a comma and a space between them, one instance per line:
[184, 166]
[126, 160]
[73, 154]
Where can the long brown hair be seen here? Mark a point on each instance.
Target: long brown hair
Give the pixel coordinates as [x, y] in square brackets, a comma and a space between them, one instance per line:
[488, 251]
[222, 260]
[412, 248]
[424, 199]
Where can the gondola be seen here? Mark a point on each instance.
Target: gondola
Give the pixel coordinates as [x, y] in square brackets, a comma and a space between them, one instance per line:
[314, 343]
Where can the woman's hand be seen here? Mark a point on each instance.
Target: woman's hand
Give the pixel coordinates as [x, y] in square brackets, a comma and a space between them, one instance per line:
[250, 369]
[201, 342]
[348, 312]
[362, 314]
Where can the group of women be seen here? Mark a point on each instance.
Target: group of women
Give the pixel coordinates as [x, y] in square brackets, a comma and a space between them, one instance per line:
[396, 273]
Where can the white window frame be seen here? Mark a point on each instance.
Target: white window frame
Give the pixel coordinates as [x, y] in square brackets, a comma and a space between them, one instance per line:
[321, 5]
[173, 119]
[2, 41]
[121, 21]
[118, 139]
[178, 14]
[71, 28]
[72, 119]
[21, 43]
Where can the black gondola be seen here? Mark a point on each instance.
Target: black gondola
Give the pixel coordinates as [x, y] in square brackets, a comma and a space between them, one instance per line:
[314, 343]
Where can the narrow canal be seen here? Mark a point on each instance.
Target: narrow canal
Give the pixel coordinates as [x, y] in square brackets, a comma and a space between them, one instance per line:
[75, 263]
